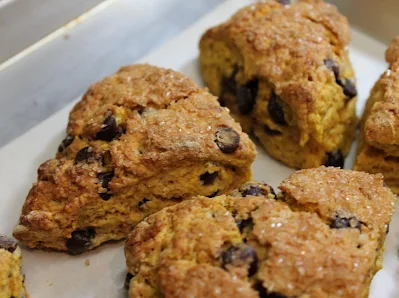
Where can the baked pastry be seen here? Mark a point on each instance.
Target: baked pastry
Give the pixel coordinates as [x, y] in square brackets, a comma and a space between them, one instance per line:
[285, 74]
[378, 150]
[140, 140]
[11, 280]
[313, 240]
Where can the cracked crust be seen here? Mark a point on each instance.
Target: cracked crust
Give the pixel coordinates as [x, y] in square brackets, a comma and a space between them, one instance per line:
[378, 150]
[11, 279]
[381, 120]
[298, 248]
[284, 49]
[140, 140]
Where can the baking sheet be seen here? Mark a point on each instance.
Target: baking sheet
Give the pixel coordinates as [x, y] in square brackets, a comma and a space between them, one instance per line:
[53, 274]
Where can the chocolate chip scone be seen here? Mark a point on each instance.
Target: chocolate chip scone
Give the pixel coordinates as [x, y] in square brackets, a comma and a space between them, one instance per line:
[378, 150]
[285, 74]
[322, 236]
[140, 140]
[11, 279]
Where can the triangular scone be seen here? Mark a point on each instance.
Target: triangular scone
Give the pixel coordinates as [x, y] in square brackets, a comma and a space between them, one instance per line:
[321, 237]
[285, 74]
[140, 140]
[378, 150]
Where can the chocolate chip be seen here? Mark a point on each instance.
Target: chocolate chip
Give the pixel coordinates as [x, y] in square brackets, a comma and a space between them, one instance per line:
[109, 130]
[105, 195]
[253, 190]
[213, 195]
[239, 255]
[275, 110]
[271, 189]
[243, 223]
[227, 85]
[143, 201]
[222, 100]
[271, 132]
[65, 143]
[227, 139]
[285, 2]
[348, 87]
[345, 222]
[246, 97]
[263, 293]
[335, 159]
[332, 65]
[208, 178]
[81, 241]
[129, 276]
[387, 229]
[261, 290]
[105, 178]
[275, 295]
[8, 243]
[83, 155]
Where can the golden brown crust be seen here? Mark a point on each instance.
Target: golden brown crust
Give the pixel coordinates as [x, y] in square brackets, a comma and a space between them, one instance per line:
[378, 149]
[304, 247]
[140, 140]
[345, 193]
[11, 279]
[381, 127]
[285, 49]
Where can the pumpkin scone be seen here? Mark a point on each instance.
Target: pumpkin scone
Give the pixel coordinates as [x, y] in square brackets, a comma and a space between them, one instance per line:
[11, 279]
[138, 141]
[378, 150]
[284, 72]
[321, 237]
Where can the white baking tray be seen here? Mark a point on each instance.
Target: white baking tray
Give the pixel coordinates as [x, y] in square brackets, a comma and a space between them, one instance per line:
[53, 274]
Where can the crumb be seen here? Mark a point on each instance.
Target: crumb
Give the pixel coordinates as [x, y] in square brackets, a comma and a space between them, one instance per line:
[87, 262]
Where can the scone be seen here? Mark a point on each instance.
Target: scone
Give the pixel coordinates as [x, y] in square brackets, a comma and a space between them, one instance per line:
[11, 279]
[285, 74]
[321, 237]
[378, 150]
[140, 140]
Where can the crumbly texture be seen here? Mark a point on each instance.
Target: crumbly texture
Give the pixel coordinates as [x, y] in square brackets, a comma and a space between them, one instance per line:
[378, 150]
[138, 141]
[11, 279]
[321, 237]
[285, 74]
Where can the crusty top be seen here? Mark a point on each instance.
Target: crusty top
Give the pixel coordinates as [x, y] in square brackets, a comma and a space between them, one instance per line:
[381, 128]
[250, 243]
[159, 118]
[286, 45]
[332, 192]
[166, 117]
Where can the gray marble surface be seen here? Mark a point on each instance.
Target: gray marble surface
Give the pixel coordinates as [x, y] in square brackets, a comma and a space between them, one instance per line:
[58, 72]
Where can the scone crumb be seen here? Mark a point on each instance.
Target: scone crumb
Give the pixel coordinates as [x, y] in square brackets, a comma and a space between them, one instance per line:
[87, 262]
